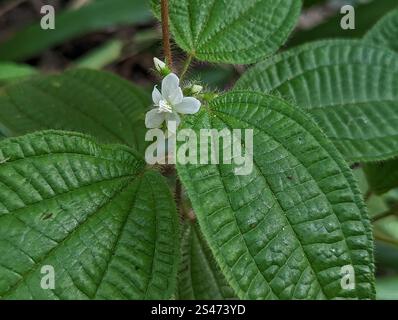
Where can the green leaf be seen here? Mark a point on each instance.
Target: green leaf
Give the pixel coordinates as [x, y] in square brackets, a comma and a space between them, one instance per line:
[232, 31]
[286, 229]
[11, 72]
[200, 278]
[70, 24]
[385, 32]
[87, 101]
[386, 229]
[386, 256]
[102, 56]
[366, 16]
[350, 89]
[109, 230]
[382, 176]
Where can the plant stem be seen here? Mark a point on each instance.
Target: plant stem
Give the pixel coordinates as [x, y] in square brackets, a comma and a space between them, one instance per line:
[186, 66]
[166, 32]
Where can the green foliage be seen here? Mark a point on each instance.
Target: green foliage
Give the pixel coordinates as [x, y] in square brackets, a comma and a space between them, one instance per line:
[232, 31]
[350, 88]
[383, 176]
[366, 15]
[106, 221]
[12, 72]
[285, 230]
[69, 24]
[100, 57]
[387, 254]
[385, 32]
[200, 278]
[92, 102]
[89, 211]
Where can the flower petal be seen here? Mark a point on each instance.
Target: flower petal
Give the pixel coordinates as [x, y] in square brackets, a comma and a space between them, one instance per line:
[154, 119]
[189, 105]
[177, 97]
[156, 96]
[172, 120]
[171, 90]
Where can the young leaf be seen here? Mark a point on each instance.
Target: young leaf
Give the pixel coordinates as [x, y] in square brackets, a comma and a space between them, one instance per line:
[385, 32]
[87, 101]
[199, 275]
[350, 89]
[108, 230]
[69, 24]
[288, 228]
[383, 176]
[232, 31]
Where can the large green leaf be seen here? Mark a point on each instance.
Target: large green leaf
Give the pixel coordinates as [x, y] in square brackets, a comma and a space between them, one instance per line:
[286, 229]
[200, 278]
[232, 31]
[87, 101]
[383, 176]
[350, 88]
[69, 24]
[385, 32]
[108, 230]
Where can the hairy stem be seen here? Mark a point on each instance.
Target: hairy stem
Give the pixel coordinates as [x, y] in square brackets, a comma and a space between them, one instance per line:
[166, 32]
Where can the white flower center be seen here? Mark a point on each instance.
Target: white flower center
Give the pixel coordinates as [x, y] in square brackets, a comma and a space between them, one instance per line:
[164, 106]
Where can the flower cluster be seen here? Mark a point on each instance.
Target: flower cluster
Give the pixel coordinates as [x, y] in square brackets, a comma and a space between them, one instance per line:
[169, 103]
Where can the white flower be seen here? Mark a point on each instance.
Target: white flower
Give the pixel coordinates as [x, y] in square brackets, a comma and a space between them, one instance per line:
[169, 103]
[159, 64]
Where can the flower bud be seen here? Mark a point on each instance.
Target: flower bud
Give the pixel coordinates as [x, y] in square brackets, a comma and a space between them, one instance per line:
[161, 67]
[159, 64]
[196, 89]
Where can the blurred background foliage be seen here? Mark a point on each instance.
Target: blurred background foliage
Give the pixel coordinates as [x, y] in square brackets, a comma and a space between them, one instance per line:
[122, 36]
